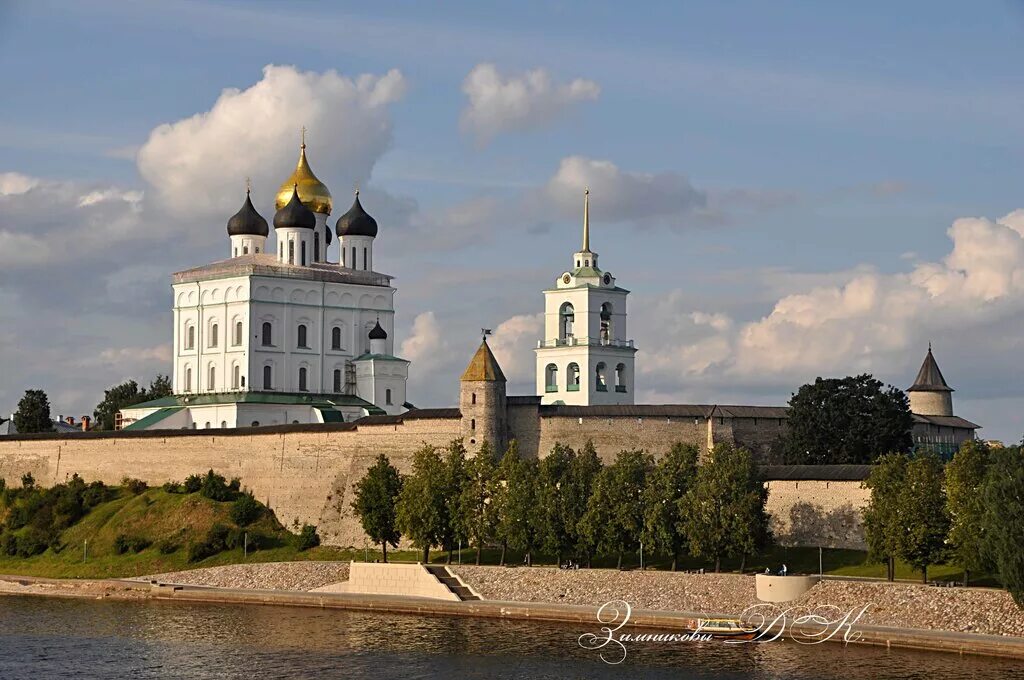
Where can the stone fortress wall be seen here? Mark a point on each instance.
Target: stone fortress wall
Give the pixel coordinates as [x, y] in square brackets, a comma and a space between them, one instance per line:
[306, 472]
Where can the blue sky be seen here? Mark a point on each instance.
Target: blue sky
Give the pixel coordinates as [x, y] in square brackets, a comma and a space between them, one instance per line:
[823, 143]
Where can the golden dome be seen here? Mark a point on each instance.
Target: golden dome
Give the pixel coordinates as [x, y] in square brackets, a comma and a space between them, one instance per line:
[312, 192]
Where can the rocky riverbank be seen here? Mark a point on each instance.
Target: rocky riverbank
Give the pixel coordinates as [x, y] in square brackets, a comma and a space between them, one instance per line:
[300, 576]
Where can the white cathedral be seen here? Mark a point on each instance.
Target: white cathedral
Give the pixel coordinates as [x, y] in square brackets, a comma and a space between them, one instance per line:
[279, 334]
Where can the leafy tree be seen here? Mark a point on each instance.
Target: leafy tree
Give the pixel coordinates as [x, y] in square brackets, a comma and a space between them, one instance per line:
[455, 480]
[615, 515]
[965, 484]
[215, 487]
[33, 414]
[421, 511]
[1003, 498]
[883, 527]
[375, 502]
[516, 499]
[723, 513]
[246, 510]
[583, 471]
[476, 508]
[669, 482]
[127, 394]
[308, 538]
[847, 420]
[556, 536]
[922, 509]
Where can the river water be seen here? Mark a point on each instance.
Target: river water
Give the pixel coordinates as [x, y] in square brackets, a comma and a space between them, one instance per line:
[58, 638]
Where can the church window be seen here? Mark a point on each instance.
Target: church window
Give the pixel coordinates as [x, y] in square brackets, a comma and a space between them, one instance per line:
[267, 376]
[606, 323]
[337, 380]
[236, 376]
[620, 378]
[364, 260]
[353, 257]
[291, 252]
[234, 253]
[257, 249]
[190, 337]
[188, 379]
[566, 316]
[572, 377]
[213, 335]
[223, 424]
[302, 337]
[387, 397]
[207, 426]
[266, 333]
[599, 376]
[238, 333]
[280, 251]
[302, 380]
[213, 379]
[245, 250]
[255, 423]
[302, 252]
[336, 337]
[316, 247]
[551, 378]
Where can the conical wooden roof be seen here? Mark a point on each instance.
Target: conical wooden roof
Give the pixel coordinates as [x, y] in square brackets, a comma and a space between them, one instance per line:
[929, 378]
[483, 366]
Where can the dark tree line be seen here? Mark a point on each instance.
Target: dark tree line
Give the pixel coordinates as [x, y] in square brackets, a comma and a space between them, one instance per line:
[569, 505]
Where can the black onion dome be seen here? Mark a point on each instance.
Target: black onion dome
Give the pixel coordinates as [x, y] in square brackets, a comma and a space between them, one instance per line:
[294, 215]
[378, 333]
[247, 222]
[356, 222]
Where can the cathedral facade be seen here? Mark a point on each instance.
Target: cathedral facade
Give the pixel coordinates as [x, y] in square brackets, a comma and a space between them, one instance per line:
[276, 333]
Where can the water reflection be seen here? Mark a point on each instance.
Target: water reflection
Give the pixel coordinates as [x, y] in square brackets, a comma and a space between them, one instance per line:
[42, 637]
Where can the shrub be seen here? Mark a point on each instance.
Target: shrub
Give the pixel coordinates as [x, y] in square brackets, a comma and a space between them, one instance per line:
[8, 544]
[246, 510]
[235, 485]
[32, 541]
[215, 488]
[216, 541]
[308, 538]
[94, 494]
[134, 486]
[193, 483]
[28, 481]
[173, 487]
[167, 546]
[135, 544]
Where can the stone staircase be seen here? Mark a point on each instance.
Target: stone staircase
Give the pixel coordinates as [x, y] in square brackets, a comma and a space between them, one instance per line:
[451, 581]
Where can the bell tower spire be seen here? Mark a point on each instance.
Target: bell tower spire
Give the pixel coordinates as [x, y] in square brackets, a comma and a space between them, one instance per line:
[586, 220]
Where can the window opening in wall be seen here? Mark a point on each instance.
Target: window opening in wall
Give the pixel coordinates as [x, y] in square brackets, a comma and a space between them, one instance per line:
[337, 380]
[472, 398]
[243, 381]
[572, 376]
[266, 334]
[213, 379]
[353, 257]
[302, 380]
[336, 338]
[238, 333]
[316, 247]
[213, 335]
[245, 250]
[387, 397]
[236, 373]
[620, 378]
[190, 337]
[267, 384]
[255, 423]
[567, 316]
[551, 380]
[364, 260]
[291, 252]
[223, 424]
[302, 251]
[472, 424]
[188, 379]
[302, 336]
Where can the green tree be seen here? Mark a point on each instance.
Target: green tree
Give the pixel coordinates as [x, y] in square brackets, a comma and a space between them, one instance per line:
[669, 482]
[476, 506]
[556, 535]
[965, 485]
[421, 512]
[883, 528]
[516, 497]
[33, 414]
[846, 420]
[456, 478]
[723, 513]
[160, 387]
[583, 472]
[376, 497]
[615, 515]
[1003, 499]
[922, 511]
[128, 394]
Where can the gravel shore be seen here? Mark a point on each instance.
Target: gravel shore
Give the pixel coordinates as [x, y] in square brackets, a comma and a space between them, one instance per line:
[302, 576]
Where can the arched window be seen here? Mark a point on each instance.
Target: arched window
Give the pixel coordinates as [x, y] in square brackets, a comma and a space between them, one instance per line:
[267, 376]
[245, 250]
[620, 378]
[266, 334]
[472, 398]
[207, 426]
[566, 317]
[472, 424]
[337, 380]
[255, 423]
[606, 323]
[572, 377]
[223, 424]
[551, 380]
[257, 250]
[336, 337]
[302, 252]
[302, 336]
[302, 379]
[213, 334]
[291, 251]
[234, 252]
[213, 379]
[316, 247]
[190, 337]
[243, 381]
[599, 378]
[387, 397]
[188, 379]
[280, 250]
[236, 375]
[238, 333]
[353, 257]
[364, 260]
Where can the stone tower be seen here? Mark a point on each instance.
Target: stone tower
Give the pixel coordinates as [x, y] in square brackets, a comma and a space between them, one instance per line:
[482, 402]
[930, 395]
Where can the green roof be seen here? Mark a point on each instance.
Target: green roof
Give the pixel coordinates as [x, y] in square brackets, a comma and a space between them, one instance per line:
[380, 357]
[330, 415]
[311, 399]
[152, 418]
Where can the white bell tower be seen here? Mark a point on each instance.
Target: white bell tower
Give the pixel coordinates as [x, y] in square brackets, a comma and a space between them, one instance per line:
[585, 357]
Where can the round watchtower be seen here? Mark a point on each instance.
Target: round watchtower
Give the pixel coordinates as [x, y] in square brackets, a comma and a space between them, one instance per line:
[482, 402]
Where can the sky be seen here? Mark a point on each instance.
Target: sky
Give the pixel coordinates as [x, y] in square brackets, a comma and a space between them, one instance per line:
[789, 189]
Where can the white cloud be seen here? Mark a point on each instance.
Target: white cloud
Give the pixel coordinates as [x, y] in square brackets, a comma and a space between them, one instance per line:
[426, 341]
[198, 165]
[513, 342]
[618, 195]
[522, 102]
[12, 183]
